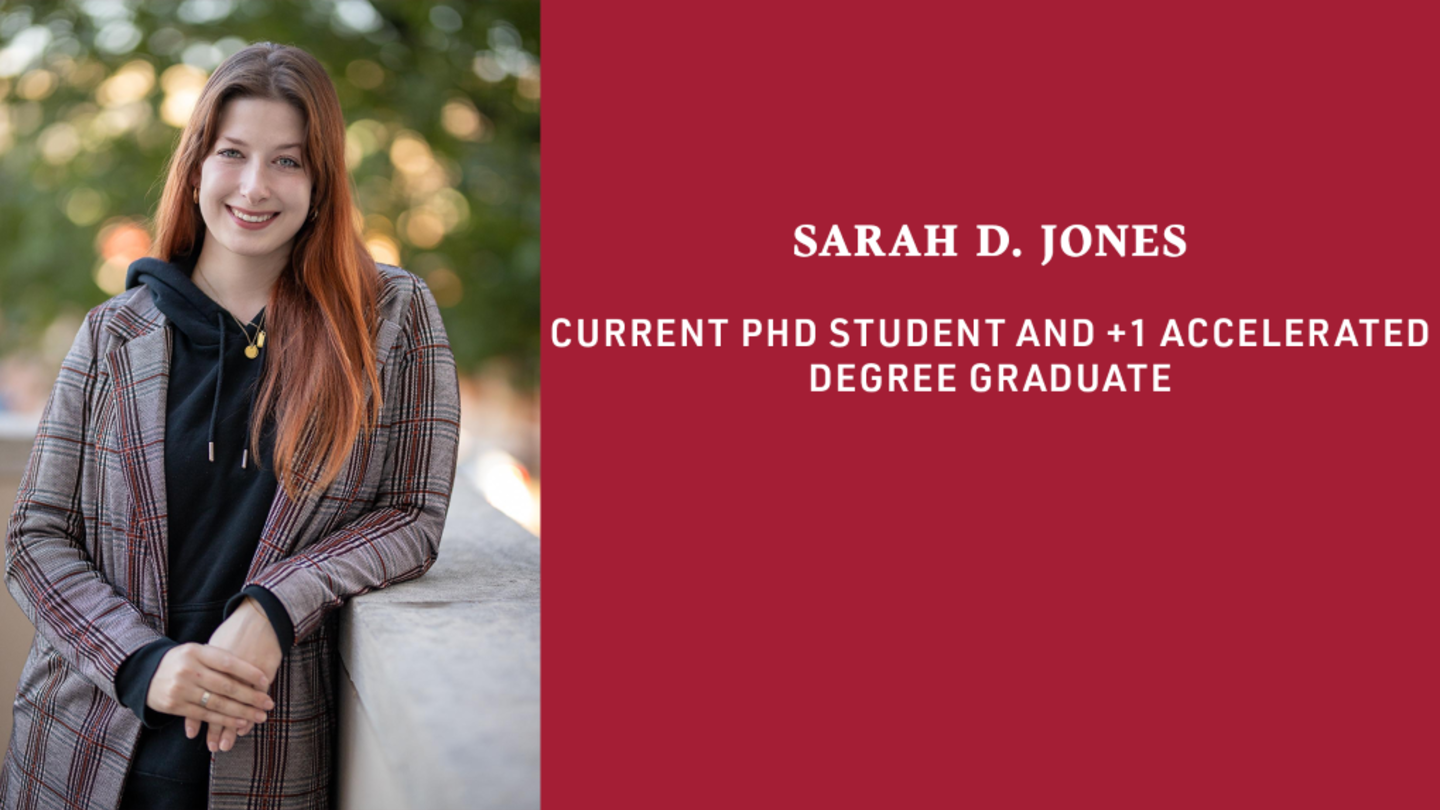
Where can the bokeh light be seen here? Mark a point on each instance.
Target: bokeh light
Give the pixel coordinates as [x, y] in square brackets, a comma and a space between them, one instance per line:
[59, 143]
[182, 84]
[462, 120]
[131, 82]
[120, 242]
[446, 286]
[85, 206]
[505, 483]
[383, 248]
[36, 85]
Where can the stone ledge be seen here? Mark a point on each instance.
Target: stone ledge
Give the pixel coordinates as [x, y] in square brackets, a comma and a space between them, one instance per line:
[17, 436]
[446, 673]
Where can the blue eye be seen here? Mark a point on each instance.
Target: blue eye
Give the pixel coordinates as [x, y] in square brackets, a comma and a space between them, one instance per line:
[294, 164]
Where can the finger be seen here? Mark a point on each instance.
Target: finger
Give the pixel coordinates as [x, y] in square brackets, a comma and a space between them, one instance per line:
[192, 728]
[213, 739]
[213, 718]
[231, 708]
[227, 739]
[233, 665]
[218, 683]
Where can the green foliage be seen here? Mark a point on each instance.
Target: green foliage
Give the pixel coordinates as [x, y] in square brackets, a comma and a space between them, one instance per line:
[455, 83]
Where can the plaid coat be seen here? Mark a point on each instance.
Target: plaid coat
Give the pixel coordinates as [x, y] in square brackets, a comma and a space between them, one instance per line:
[85, 556]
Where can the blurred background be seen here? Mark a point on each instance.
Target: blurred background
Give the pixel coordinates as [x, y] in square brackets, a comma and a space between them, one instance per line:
[442, 105]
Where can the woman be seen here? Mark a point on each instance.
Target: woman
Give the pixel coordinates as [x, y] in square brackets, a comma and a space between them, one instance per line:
[262, 425]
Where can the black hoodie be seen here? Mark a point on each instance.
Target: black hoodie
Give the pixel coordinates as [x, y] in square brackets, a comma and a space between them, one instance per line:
[218, 497]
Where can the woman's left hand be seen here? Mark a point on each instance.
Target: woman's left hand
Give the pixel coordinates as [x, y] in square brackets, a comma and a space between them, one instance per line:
[247, 634]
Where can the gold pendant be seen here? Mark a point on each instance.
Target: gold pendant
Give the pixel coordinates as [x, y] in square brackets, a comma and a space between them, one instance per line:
[252, 352]
[261, 340]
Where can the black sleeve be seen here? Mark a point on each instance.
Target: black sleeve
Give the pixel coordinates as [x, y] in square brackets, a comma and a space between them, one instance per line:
[279, 619]
[132, 681]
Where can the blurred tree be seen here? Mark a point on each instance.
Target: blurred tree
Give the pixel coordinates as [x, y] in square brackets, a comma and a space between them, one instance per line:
[442, 102]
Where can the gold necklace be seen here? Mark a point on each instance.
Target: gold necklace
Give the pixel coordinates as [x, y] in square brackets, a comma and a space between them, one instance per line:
[253, 347]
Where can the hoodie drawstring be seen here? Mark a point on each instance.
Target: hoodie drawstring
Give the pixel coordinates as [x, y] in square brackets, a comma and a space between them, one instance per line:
[219, 377]
[249, 414]
[215, 408]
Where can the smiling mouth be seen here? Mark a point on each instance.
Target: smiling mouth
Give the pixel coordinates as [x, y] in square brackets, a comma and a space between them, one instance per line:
[252, 218]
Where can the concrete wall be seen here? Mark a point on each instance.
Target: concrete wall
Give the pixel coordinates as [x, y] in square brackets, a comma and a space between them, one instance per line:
[16, 632]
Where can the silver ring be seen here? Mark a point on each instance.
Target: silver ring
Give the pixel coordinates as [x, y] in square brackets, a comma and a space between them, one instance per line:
[205, 700]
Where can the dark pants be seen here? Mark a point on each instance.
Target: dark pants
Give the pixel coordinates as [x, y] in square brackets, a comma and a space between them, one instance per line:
[145, 791]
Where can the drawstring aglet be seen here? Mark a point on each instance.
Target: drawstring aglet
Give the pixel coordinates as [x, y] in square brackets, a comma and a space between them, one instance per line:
[212, 451]
[244, 455]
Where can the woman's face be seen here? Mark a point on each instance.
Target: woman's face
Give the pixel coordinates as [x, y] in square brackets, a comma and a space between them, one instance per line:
[256, 168]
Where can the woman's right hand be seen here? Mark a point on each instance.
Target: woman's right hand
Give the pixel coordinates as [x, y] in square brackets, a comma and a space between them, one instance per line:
[188, 671]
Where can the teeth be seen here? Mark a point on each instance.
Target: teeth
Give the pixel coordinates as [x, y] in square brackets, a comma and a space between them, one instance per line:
[246, 218]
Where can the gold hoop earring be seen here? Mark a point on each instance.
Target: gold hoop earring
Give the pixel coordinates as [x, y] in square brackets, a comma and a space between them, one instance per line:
[313, 212]
[197, 194]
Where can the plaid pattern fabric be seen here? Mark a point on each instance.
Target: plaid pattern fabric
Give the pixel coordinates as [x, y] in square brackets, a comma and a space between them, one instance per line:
[85, 555]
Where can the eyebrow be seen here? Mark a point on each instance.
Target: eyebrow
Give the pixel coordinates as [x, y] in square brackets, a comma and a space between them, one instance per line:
[239, 142]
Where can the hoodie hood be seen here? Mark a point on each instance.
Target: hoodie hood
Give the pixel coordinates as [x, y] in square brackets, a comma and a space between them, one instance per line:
[176, 295]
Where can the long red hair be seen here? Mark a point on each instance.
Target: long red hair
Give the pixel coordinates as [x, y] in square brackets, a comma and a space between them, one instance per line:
[321, 318]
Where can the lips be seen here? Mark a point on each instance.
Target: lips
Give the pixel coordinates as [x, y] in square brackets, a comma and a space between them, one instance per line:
[235, 215]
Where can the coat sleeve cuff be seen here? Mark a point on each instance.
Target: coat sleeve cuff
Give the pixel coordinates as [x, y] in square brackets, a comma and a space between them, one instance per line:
[132, 681]
[274, 610]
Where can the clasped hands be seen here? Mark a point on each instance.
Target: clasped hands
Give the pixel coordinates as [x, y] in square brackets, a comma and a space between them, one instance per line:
[236, 668]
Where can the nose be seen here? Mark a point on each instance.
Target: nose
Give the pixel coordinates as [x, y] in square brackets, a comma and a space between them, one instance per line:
[254, 184]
